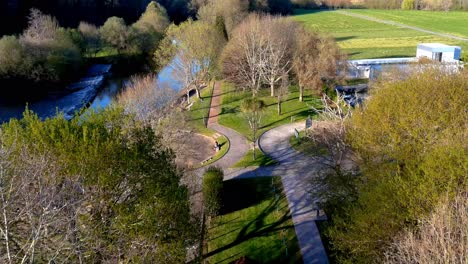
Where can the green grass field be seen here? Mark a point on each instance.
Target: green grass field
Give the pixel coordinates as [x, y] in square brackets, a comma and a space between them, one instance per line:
[255, 223]
[454, 23]
[293, 110]
[361, 38]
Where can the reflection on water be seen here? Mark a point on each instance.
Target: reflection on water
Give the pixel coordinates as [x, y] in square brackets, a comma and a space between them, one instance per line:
[110, 91]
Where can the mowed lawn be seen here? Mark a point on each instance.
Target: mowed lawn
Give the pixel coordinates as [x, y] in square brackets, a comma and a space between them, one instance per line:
[292, 110]
[362, 38]
[454, 23]
[255, 222]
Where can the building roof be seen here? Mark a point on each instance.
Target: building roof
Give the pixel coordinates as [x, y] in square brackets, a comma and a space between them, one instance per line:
[437, 47]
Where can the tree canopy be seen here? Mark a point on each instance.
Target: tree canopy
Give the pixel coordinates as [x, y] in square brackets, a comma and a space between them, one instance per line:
[410, 140]
[98, 188]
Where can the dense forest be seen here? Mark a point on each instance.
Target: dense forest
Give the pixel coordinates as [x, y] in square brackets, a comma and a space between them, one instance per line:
[70, 13]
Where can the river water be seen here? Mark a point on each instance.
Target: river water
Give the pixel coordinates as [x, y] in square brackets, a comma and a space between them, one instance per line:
[70, 102]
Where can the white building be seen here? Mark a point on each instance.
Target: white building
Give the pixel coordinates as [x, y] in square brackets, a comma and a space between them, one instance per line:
[439, 52]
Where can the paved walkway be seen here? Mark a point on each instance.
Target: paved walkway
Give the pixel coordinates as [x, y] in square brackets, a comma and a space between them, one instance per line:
[294, 168]
[296, 171]
[388, 22]
[238, 143]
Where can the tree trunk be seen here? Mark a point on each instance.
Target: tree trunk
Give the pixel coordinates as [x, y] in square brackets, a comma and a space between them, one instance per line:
[198, 93]
[254, 142]
[254, 157]
[188, 97]
[301, 93]
[279, 105]
[272, 87]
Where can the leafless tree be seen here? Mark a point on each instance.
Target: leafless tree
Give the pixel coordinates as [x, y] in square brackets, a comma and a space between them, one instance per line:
[91, 36]
[279, 44]
[283, 90]
[41, 27]
[245, 54]
[252, 109]
[145, 98]
[335, 113]
[442, 237]
[38, 208]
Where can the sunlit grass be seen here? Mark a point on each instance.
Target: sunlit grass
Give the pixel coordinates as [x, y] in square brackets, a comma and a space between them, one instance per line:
[255, 223]
[361, 38]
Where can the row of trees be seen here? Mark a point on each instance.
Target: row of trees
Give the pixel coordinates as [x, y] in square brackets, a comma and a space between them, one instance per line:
[444, 5]
[411, 156]
[386, 4]
[44, 51]
[264, 50]
[142, 36]
[47, 52]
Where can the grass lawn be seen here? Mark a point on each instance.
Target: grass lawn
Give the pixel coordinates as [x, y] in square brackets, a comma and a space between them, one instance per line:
[293, 110]
[361, 38]
[255, 222]
[260, 160]
[307, 146]
[454, 23]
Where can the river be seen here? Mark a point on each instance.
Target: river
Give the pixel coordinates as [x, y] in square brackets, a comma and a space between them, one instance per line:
[70, 102]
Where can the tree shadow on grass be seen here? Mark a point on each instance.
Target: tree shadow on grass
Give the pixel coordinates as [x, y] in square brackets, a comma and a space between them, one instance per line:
[300, 115]
[257, 228]
[240, 194]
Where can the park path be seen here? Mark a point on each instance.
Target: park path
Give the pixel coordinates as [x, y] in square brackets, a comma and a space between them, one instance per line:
[389, 22]
[294, 168]
[296, 171]
[238, 145]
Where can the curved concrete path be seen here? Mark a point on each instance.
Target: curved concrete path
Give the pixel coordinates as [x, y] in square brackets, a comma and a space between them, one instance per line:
[238, 145]
[295, 169]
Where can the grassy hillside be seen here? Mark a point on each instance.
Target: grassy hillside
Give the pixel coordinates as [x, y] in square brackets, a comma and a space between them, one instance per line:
[361, 38]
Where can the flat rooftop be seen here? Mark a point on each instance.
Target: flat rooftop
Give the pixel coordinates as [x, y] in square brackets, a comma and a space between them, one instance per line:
[436, 47]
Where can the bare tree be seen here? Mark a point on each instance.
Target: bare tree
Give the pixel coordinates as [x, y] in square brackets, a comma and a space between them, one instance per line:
[91, 36]
[336, 113]
[442, 237]
[283, 90]
[38, 208]
[145, 98]
[244, 56]
[41, 27]
[279, 44]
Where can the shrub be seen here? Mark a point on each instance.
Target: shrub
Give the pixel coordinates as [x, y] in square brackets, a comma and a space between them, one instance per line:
[410, 139]
[407, 5]
[11, 55]
[44, 52]
[212, 187]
